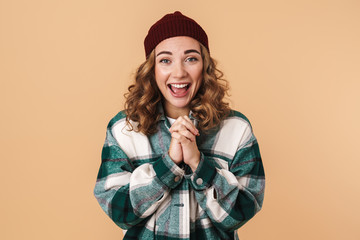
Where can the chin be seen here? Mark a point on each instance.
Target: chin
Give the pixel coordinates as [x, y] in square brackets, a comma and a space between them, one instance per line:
[179, 103]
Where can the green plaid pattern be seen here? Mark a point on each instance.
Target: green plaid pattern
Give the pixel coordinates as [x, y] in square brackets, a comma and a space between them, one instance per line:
[141, 189]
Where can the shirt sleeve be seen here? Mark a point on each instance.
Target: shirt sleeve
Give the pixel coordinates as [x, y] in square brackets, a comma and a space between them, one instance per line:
[231, 197]
[128, 195]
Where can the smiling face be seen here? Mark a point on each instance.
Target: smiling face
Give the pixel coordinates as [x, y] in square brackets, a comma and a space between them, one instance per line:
[178, 73]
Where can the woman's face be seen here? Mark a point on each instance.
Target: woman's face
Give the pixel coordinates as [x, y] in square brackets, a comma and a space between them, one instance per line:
[178, 73]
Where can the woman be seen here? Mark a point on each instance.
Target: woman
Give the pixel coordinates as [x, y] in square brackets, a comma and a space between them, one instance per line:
[178, 163]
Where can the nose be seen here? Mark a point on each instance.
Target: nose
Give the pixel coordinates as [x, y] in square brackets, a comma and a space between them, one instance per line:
[179, 70]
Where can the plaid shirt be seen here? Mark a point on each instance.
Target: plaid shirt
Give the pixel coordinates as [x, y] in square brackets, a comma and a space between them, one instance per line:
[144, 192]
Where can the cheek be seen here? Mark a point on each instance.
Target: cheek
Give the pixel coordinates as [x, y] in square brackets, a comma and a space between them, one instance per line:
[197, 75]
[199, 79]
[160, 75]
[160, 80]
[156, 72]
[197, 83]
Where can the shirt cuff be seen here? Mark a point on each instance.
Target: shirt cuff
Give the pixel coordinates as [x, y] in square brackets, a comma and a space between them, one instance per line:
[203, 175]
[168, 172]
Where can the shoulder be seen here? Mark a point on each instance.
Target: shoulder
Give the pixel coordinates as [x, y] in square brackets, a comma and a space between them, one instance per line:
[237, 118]
[237, 127]
[119, 117]
[119, 126]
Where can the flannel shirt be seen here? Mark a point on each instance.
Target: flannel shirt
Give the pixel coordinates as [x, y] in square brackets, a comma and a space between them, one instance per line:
[144, 192]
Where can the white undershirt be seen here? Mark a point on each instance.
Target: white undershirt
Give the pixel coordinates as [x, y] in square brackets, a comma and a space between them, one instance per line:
[171, 120]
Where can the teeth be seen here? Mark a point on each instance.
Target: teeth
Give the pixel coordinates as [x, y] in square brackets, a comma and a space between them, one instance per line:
[179, 85]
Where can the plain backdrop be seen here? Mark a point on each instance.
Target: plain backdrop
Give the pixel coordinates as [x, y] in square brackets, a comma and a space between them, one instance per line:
[294, 71]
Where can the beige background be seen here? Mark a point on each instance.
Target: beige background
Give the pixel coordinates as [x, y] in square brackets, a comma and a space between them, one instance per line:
[294, 68]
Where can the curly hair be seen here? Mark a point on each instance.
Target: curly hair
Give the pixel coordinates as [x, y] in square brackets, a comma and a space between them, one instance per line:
[143, 97]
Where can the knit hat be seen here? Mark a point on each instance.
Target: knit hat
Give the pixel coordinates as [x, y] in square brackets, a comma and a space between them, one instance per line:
[172, 25]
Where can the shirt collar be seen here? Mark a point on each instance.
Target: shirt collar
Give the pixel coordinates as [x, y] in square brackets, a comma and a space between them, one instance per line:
[163, 117]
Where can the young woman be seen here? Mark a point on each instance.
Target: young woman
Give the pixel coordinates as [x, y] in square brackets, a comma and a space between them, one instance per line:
[178, 163]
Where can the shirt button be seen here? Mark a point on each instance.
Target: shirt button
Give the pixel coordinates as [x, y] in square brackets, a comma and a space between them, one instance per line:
[199, 181]
[177, 178]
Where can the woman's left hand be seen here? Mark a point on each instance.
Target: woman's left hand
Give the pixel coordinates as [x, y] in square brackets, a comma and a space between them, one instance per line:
[185, 132]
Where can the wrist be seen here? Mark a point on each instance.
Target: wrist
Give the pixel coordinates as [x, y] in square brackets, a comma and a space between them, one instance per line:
[177, 161]
[194, 163]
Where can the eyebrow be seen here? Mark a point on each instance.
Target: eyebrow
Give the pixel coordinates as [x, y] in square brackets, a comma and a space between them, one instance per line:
[185, 52]
[164, 52]
[192, 51]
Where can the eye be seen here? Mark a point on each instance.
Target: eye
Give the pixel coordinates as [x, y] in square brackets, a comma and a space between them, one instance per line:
[191, 59]
[164, 60]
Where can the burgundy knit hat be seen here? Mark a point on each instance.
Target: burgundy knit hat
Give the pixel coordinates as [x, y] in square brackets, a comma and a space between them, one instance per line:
[172, 25]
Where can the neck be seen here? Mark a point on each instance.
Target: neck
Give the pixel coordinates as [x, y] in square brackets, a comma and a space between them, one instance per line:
[174, 112]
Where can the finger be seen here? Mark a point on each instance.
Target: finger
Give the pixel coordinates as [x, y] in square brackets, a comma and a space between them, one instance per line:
[192, 124]
[186, 133]
[184, 127]
[184, 122]
[178, 126]
[180, 137]
[188, 119]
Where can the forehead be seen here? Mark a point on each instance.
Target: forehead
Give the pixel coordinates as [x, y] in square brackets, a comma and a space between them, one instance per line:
[178, 44]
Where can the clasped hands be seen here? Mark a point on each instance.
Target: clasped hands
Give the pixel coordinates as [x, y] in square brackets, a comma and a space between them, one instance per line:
[183, 146]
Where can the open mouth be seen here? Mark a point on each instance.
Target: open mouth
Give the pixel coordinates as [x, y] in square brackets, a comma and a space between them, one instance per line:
[179, 89]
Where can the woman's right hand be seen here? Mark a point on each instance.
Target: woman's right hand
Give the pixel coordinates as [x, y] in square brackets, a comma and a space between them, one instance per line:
[175, 151]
